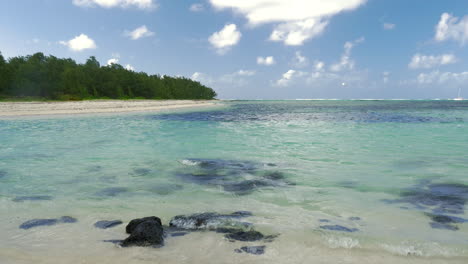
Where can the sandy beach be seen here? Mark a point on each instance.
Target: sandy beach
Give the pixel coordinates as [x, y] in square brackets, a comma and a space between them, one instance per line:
[12, 109]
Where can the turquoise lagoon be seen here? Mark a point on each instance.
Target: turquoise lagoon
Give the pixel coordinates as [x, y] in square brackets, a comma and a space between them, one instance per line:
[393, 172]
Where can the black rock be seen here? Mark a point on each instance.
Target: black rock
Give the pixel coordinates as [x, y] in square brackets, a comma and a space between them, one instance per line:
[443, 226]
[112, 191]
[245, 236]
[104, 224]
[339, 228]
[32, 198]
[135, 222]
[145, 232]
[256, 250]
[38, 222]
[210, 221]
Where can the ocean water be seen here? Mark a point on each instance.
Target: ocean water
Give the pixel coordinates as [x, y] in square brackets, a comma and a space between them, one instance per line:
[336, 181]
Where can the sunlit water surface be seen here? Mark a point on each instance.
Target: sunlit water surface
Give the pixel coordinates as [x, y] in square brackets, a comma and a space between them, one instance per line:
[382, 169]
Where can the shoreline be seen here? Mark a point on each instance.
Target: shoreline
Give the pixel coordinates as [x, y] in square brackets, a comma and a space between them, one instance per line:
[22, 109]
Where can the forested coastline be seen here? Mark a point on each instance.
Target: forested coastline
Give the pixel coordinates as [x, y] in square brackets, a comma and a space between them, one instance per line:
[51, 78]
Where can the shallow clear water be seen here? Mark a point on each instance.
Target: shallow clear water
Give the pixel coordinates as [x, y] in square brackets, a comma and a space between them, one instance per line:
[394, 172]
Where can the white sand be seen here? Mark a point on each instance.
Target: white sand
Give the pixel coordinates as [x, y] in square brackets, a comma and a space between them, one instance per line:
[11, 109]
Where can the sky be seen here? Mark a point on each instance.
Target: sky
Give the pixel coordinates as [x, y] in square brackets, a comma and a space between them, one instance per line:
[259, 49]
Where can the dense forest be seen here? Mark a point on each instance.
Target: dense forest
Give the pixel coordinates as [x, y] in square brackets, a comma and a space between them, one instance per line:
[49, 77]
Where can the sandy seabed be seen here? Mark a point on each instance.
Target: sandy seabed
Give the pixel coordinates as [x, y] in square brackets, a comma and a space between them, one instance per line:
[12, 109]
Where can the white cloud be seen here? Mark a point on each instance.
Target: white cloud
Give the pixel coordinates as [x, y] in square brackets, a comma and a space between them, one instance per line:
[346, 63]
[295, 33]
[139, 32]
[197, 7]
[79, 43]
[319, 66]
[141, 4]
[129, 67]
[245, 73]
[288, 77]
[112, 61]
[226, 38]
[296, 20]
[299, 61]
[389, 26]
[452, 28]
[443, 78]
[270, 60]
[429, 61]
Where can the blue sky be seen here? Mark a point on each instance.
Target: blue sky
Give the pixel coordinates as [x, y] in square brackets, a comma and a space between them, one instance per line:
[259, 49]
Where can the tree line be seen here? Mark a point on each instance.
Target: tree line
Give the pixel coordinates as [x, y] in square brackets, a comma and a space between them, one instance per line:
[49, 77]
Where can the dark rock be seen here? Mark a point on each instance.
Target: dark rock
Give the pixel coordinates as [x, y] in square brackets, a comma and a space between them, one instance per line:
[145, 232]
[354, 218]
[135, 222]
[67, 219]
[32, 198]
[339, 228]
[210, 221]
[245, 236]
[443, 226]
[112, 191]
[104, 224]
[38, 222]
[47, 222]
[256, 250]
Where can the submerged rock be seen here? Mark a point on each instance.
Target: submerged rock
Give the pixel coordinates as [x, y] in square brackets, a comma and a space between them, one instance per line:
[46, 222]
[354, 218]
[104, 224]
[236, 176]
[256, 250]
[339, 228]
[210, 221]
[32, 198]
[144, 232]
[38, 222]
[245, 236]
[3, 174]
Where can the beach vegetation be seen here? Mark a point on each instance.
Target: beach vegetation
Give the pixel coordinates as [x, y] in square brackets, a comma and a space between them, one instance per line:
[50, 78]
